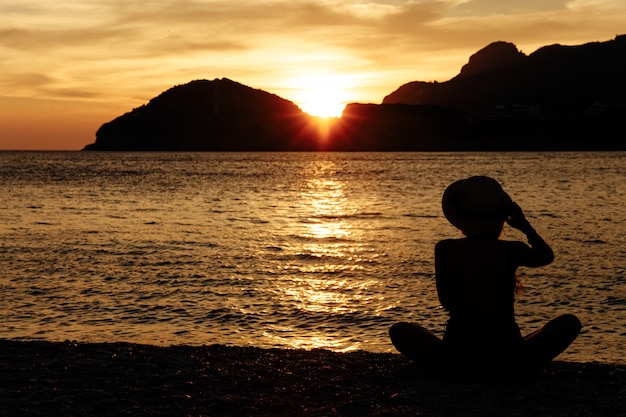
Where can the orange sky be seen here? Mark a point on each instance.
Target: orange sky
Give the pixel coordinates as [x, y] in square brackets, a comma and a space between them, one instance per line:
[66, 67]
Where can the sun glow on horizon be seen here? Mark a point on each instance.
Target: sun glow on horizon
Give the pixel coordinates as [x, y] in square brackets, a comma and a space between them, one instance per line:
[321, 95]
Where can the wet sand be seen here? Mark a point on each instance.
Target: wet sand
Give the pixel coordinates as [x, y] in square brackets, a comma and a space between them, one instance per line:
[121, 379]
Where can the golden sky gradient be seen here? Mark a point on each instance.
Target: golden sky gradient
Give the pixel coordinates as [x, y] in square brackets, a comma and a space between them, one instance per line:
[67, 66]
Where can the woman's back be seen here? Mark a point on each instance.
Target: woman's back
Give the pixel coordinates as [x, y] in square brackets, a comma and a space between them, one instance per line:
[475, 276]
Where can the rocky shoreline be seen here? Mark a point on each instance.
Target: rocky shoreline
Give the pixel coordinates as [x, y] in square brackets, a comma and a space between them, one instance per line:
[120, 379]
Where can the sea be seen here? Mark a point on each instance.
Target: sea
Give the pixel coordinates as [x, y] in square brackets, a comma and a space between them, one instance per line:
[290, 250]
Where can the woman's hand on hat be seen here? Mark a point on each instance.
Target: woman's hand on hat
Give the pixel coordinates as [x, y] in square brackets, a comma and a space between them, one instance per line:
[516, 219]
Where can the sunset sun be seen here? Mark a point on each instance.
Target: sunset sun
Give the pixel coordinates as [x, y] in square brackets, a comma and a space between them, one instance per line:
[321, 95]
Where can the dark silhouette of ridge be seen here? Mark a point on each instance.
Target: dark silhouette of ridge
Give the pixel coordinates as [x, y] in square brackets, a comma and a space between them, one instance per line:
[557, 98]
[553, 75]
[218, 115]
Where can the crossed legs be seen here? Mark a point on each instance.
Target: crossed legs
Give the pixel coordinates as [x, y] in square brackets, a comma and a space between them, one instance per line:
[545, 344]
[416, 343]
[540, 347]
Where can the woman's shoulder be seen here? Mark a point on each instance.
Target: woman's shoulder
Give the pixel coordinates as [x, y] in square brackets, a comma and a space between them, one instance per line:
[445, 243]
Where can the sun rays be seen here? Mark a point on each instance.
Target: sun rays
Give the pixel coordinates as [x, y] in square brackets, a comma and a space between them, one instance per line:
[321, 95]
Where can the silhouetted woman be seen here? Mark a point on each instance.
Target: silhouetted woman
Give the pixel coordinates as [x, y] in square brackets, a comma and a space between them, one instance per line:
[476, 282]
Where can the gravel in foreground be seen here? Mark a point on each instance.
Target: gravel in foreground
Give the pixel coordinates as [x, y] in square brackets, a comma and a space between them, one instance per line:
[122, 379]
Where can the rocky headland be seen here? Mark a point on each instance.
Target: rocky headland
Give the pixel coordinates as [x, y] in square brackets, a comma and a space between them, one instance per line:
[218, 115]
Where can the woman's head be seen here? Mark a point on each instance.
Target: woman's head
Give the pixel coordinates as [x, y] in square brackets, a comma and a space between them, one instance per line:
[476, 205]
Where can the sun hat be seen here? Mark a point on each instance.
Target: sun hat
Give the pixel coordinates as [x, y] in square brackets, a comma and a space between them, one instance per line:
[476, 205]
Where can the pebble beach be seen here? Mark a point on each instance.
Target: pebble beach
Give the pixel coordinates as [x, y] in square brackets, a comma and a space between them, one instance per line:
[120, 379]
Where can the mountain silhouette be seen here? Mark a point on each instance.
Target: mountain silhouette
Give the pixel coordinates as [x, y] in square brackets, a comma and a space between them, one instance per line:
[557, 98]
[218, 115]
[554, 75]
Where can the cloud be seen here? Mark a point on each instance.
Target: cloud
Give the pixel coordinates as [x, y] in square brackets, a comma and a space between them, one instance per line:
[28, 78]
[37, 40]
[78, 48]
[491, 7]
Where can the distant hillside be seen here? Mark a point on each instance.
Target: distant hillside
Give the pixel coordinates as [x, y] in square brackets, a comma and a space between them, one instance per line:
[557, 98]
[218, 115]
[554, 75]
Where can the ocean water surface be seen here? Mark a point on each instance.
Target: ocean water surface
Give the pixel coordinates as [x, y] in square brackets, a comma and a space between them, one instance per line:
[292, 250]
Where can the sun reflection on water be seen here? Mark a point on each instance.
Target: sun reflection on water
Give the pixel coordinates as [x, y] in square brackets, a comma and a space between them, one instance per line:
[326, 208]
[325, 286]
[322, 295]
